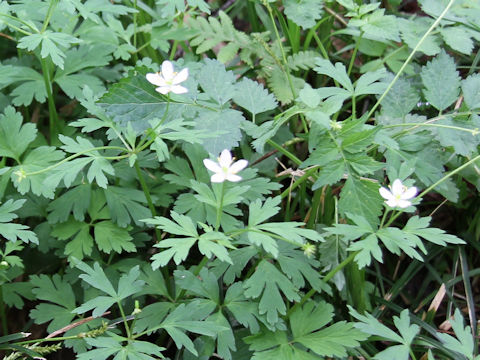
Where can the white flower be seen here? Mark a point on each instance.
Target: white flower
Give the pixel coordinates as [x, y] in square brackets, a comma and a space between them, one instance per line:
[167, 80]
[225, 169]
[399, 195]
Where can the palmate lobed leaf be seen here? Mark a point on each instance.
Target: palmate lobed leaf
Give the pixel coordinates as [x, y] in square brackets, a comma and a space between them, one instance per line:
[12, 231]
[61, 299]
[267, 282]
[50, 44]
[308, 333]
[128, 285]
[15, 137]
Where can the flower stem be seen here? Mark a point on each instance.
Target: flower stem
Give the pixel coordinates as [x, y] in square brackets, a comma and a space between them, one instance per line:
[53, 116]
[220, 207]
[145, 142]
[3, 315]
[127, 328]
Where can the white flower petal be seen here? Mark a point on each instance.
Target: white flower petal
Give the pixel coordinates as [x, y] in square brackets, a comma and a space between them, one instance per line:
[392, 202]
[212, 166]
[180, 77]
[163, 89]
[238, 166]
[178, 89]
[397, 188]
[233, 177]
[385, 193]
[155, 79]
[225, 159]
[167, 70]
[410, 193]
[403, 203]
[217, 178]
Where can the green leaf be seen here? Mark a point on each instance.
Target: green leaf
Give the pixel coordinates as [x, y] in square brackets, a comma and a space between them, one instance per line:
[81, 243]
[267, 282]
[180, 320]
[215, 243]
[378, 26]
[464, 343]
[337, 72]
[458, 38]
[99, 166]
[308, 332]
[109, 236]
[370, 325]
[279, 84]
[126, 205]
[36, 160]
[50, 44]
[401, 99]
[333, 340]
[412, 30]
[15, 137]
[463, 142]
[134, 100]
[361, 197]
[371, 83]
[223, 128]
[217, 83]
[299, 268]
[105, 347]
[243, 310]
[127, 286]
[471, 91]
[304, 13]
[61, 299]
[73, 202]
[441, 81]
[420, 227]
[303, 60]
[13, 231]
[252, 96]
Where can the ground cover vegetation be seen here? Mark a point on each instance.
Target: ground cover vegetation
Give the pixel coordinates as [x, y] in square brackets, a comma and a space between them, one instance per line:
[257, 179]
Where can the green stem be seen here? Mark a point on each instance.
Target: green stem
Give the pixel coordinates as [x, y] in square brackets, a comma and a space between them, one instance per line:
[53, 339]
[146, 191]
[151, 133]
[282, 50]
[125, 323]
[383, 218]
[53, 116]
[20, 21]
[327, 278]
[220, 207]
[67, 159]
[3, 315]
[412, 354]
[284, 151]
[354, 54]
[51, 7]
[474, 132]
[410, 57]
[135, 56]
